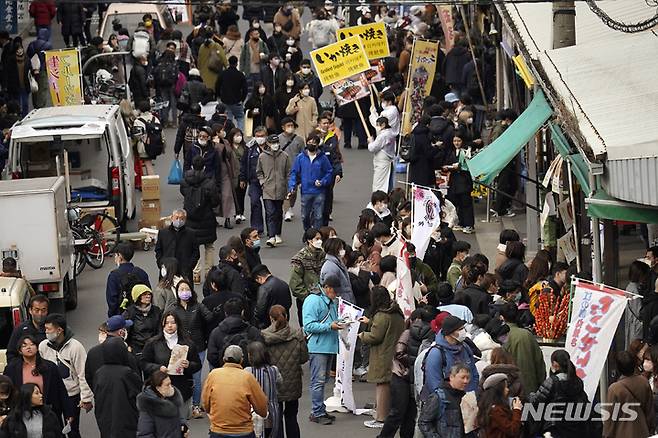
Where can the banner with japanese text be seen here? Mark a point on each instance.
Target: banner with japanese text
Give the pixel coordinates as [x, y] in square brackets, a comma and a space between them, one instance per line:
[340, 60]
[447, 24]
[595, 313]
[425, 219]
[404, 293]
[419, 84]
[349, 314]
[373, 36]
[64, 78]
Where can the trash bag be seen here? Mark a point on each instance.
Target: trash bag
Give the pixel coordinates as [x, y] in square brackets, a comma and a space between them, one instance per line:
[175, 173]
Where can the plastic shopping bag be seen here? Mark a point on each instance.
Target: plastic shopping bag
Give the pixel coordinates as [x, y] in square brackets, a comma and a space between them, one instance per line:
[175, 173]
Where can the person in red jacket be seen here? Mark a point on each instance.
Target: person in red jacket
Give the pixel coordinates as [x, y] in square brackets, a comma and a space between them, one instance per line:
[43, 12]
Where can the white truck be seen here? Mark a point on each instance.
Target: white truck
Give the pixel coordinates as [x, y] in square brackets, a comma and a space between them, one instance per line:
[35, 231]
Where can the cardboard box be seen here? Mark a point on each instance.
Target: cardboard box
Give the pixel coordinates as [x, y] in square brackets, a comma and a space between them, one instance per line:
[151, 187]
[150, 212]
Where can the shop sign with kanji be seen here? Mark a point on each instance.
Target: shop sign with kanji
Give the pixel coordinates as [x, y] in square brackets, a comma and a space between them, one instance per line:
[373, 36]
[340, 60]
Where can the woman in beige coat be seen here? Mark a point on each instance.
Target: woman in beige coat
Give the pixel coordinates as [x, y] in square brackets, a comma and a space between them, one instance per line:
[233, 42]
[305, 110]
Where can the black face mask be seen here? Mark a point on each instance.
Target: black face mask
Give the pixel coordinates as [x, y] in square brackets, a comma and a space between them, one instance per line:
[312, 147]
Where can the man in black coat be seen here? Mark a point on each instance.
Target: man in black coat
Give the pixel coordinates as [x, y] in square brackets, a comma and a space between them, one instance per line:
[232, 90]
[138, 81]
[272, 291]
[233, 329]
[117, 386]
[229, 266]
[421, 163]
[190, 125]
[178, 242]
[38, 309]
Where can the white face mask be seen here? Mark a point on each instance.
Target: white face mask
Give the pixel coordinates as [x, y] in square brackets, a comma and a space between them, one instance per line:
[261, 90]
[290, 42]
[237, 139]
[384, 105]
[203, 142]
[317, 244]
[306, 70]
[256, 25]
[469, 121]
[274, 147]
[260, 140]
[102, 337]
[647, 366]
[306, 92]
[169, 392]
[461, 335]
[163, 272]
[290, 130]
[341, 253]
[290, 83]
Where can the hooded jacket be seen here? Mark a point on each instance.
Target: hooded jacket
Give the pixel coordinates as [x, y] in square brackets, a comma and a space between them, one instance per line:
[288, 352]
[272, 171]
[421, 166]
[476, 298]
[187, 121]
[318, 312]
[528, 356]
[441, 358]
[408, 346]
[513, 374]
[117, 386]
[71, 364]
[382, 334]
[160, 417]
[201, 196]
[231, 325]
[43, 12]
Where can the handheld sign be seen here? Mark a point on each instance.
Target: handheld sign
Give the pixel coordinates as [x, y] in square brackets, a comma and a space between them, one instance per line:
[373, 36]
[340, 60]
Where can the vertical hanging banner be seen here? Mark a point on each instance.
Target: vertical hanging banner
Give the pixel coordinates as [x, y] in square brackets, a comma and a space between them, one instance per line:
[340, 60]
[447, 24]
[595, 313]
[64, 78]
[421, 76]
[404, 294]
[349, 314]
[373, 36]
[426, 218]
[9, 15]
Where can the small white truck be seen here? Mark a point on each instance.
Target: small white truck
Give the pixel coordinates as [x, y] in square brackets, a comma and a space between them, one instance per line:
[35, 231]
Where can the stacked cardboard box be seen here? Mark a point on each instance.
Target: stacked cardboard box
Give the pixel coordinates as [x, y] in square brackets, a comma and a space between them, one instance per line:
[150, 201]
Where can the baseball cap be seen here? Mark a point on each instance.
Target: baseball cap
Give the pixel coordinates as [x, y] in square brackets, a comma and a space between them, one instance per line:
[233, 353]
[117, 322]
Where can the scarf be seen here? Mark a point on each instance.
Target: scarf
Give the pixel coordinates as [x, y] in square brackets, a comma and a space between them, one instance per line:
[145, 309]
[172, 339]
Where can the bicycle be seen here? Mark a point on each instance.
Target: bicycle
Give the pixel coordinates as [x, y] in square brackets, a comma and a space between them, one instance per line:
[95, 236]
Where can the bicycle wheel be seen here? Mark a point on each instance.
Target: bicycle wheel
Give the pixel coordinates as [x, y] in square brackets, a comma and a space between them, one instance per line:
[80, 259]
[109, 230]
[94, 254]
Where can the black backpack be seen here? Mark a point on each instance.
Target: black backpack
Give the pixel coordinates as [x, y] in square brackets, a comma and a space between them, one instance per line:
[166, 74]
[408, 148]
[194, 200]
[240, 339]
[154, 144]
[127, 281]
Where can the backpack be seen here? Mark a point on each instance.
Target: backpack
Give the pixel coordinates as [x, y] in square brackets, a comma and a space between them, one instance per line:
[194, 201]
[240, 339]
[154, 144]
[141, 44]
[127, 281]
[166, 74]
[422, 391]
[214, 61]
[408, 148]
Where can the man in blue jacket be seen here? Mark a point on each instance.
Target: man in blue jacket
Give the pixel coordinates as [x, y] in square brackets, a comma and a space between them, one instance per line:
[449, 350]
[313, 171]
[320, 315]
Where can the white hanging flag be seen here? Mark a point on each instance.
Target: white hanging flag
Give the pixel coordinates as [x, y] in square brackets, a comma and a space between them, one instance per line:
[595, 313]
[404, 294]
[426, 218]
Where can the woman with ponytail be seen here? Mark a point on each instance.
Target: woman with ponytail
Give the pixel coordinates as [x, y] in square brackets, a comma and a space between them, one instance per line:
[287, 350]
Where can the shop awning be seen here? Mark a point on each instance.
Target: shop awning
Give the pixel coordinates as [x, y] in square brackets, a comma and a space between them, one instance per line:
[579, 168]
[603, 206]
[486, 165]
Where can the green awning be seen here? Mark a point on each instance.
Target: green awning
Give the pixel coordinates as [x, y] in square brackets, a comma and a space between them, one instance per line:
[578, 166]
[486, 165]
[603, 206]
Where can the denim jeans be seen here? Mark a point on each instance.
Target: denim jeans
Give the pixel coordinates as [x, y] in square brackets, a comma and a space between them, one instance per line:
[312, 206]
[273, 217]
[236, 112]
[196, 390]
[167, 94]
[320, 363]
[256, 214]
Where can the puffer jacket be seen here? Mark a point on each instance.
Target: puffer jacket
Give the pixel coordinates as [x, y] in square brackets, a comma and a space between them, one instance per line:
[43, 12]
[201, 218]
[288, 351]
[144, 327]
[272, 171]
[160, 417]
[305, 268]
[485, 344]
[157, 353]
[232, 325]
[194, 320]
[384, 329]
[408, 346]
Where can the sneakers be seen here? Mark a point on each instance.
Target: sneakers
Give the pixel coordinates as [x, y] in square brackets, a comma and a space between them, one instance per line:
[271, 242]
[457, 228]
[278, 240]
[329, 416]
[288, 216]
[360, 371]
[509, 213]
[468, 230]
[197, 412]
[373, 424]
[239, 218]
[323, 420]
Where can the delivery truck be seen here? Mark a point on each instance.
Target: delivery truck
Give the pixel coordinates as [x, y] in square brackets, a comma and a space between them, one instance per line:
[35, 231]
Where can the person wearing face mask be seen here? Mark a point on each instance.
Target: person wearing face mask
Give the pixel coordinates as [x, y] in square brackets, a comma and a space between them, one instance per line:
[277, 42]
[160, 406]
[125, 274]
[38, 310]
[211, 60]
[449, 349]
[248, 166]
[379, 205]
[260, 107]
[204, 148]
[287, 91]
[273, 75]
[225, 16]
[288, 18]
[232, 90]
[61, 348]
[228, 169]
[313, 172]
[253, 53]
[292, 54]
[179, 242]
[235, 139]
[306, 75]
[272, 171]
[145, 317]
[422, 275]
[305, 110]
[292, 144]
[475, 295]
[271, 291]
[329, 147]
[305, 268]
[16, 71]
[322, 29]
[157, 354]
[383, 149]
[251, 241]
[508, 182]
[334, 266]
[389, 110]
[164, 293]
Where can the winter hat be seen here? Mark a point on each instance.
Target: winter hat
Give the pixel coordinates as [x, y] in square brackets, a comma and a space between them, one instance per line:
[138, 290]
[207, 129]
[194, 72]
[493, 380]
[451, 324]
[450, 97]
[438, 321]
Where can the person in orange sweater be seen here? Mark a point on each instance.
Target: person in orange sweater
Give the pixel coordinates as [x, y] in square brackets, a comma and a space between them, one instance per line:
[494, 414]
[228, 396]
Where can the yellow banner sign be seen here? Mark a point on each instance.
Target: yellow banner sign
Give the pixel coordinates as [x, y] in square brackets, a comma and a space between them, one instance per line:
[64, 78]
[340, 60]
[419, 84]
[373, 36]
